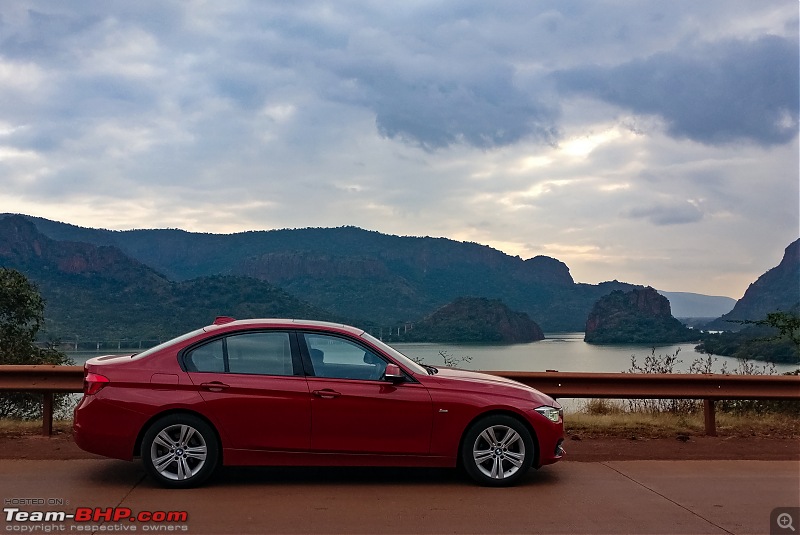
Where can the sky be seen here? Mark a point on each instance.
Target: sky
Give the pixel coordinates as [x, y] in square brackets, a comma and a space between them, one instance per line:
[645, 141]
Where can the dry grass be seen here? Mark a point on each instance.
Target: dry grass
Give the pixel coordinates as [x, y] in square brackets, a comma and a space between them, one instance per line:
[11, 427]
[608, 418]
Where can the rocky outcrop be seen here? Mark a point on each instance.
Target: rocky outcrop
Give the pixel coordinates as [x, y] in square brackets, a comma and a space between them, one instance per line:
[23, 246]
[474, 319]
[641, 316]
[777, 289]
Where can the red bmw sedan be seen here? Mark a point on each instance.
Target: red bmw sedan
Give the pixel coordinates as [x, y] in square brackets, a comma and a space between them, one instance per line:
[306, 393]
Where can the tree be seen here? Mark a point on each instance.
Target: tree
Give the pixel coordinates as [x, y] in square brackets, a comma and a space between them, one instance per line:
[21, 318]
[786, 323]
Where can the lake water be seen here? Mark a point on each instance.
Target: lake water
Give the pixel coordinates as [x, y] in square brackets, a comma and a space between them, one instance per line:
[565, 352]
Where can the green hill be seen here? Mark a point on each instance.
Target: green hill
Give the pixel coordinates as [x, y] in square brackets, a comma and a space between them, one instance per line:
[640, 316]
[474, 319]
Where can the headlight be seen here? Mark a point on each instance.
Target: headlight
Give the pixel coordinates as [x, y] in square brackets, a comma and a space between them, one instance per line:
[551, 413]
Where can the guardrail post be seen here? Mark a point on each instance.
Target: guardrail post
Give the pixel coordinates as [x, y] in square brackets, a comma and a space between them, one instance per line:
[709, 417]
[47, 414]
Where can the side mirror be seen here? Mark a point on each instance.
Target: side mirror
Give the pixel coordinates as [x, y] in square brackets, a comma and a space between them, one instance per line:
[394, 374]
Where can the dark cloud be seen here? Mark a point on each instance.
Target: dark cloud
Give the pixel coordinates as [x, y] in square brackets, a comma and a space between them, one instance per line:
[713, 93]
[43, 35]
[482, 108]
[667, 213]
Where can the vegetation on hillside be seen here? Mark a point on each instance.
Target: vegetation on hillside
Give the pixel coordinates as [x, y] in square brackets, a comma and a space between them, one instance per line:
[775, 339]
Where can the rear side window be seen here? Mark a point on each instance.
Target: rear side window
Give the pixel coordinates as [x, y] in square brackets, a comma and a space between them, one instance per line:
[260, 353]
[256, 353]
[207, 358]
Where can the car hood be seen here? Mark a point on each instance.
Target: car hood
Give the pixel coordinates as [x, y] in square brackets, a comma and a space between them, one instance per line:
[455, 378]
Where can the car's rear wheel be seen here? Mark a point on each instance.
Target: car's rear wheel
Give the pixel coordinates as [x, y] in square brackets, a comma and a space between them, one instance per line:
[497, 451]
[180, 451]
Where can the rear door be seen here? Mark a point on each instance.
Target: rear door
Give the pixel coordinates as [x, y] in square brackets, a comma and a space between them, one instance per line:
[253, 385]
[353, 410]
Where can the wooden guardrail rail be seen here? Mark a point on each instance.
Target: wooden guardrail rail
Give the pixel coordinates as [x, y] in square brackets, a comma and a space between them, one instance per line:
[47, 380]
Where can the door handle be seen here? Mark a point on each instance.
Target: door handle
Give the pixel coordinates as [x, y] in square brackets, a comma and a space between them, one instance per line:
[326, 393]
[214, 386]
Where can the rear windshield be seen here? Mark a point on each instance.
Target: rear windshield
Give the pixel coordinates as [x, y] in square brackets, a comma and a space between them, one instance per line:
[168, 343]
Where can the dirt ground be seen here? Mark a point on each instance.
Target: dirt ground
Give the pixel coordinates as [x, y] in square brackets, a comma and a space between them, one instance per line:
[590, 449]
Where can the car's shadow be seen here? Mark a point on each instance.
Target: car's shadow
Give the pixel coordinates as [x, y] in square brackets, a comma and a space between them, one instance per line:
[132, 473]
[335, 476]
[358, 476]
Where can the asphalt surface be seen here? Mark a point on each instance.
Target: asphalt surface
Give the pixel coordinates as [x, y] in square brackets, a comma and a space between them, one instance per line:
[681, 497]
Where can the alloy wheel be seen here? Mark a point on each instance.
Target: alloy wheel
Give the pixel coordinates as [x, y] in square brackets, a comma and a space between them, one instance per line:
[499, 452]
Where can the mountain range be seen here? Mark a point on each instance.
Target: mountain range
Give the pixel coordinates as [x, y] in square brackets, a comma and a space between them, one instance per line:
[126, 283]
[694, 305]
[363, 276]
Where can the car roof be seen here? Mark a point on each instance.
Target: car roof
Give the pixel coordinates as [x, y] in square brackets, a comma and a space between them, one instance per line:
[286, 323]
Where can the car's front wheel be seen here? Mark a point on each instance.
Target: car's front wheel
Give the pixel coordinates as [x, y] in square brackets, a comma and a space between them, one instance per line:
[497, 451]
[180, 451]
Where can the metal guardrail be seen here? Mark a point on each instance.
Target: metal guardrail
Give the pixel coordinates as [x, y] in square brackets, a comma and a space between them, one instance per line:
[709, 387]
[659, 386]
[47, 380]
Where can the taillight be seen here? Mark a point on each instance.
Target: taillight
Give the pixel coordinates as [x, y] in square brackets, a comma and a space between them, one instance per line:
[93, 383]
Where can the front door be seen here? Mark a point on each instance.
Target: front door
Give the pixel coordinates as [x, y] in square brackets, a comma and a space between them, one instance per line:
[353, 410]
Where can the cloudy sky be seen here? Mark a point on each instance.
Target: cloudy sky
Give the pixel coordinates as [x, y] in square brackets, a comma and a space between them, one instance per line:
[650, 142]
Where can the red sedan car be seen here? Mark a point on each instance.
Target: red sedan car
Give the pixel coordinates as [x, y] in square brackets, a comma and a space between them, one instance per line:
[306, 393]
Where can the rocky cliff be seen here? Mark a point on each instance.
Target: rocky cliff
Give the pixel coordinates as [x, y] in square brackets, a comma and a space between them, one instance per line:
[777, 289]
[641, 316]
[24, 247]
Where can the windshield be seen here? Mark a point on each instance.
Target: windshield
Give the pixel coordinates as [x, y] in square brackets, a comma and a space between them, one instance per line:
[404, 360]
[162, 345]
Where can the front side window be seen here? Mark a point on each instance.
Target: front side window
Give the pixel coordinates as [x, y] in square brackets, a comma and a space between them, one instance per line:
[337, 358]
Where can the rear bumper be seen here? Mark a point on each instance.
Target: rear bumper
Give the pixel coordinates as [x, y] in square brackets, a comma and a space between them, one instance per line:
[105, 429]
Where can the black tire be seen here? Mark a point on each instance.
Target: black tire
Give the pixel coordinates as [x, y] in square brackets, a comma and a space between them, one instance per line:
[497, 451]
[180, 451]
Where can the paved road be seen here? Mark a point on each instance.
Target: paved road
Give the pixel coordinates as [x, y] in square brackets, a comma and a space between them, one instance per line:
[681, 497]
